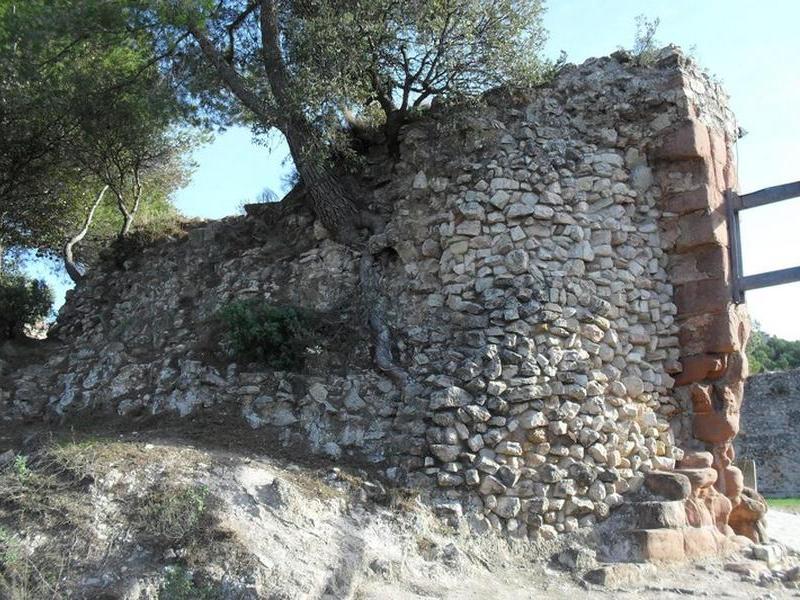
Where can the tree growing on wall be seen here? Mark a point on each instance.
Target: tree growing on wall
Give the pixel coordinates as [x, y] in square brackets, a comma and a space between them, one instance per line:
[301, 67]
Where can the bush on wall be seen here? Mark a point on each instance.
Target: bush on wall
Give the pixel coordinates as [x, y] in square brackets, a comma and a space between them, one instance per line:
[278, 336]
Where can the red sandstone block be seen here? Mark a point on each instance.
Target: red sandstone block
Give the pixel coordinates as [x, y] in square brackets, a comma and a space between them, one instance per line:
[703, 296]
[700, 478]
[708, 333]
[667, 514]
[715, 428]
[696, 460]
[658, 544]
[698, 513]
[700, 228]
[704, 197]
[700, 263]
[701, 398]
[689, 140]
[700, 541]
[699, 367]
[668, 485]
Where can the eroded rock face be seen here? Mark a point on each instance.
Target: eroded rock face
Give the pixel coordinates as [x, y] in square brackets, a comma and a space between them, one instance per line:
[549, 266]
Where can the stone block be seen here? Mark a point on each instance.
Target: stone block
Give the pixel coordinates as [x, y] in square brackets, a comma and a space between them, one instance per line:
[657, 544]
[709, 333]
[699, 478]
[701, 228]
[715, 428]
[700, 367]
[704, 262]
[668, 485]
[696, 460]
[768, 553]
[688, 140]
[704, 197]
[698, 513]
[700, 541]
[669, 514]
[701, 297]
[620, 574]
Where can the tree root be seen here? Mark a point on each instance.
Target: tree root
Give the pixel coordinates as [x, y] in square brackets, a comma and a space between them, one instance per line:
[375, 305]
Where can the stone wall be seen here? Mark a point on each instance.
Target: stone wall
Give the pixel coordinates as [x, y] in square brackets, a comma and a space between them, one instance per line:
[552, 260]
[769, 436]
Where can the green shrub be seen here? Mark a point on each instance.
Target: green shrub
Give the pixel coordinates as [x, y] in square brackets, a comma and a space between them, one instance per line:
[275, 335]
[179, 585]
[22, 301]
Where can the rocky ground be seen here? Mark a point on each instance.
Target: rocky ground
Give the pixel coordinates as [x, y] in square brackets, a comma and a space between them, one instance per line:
[171, 512]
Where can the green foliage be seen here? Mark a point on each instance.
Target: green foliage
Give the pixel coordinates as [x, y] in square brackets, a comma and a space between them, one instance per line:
[175, 515]
[645, 45]
[10, 552]
[20, 466]
[85, 103]
[277, 336]
[356, 56]
[23, 301]
[770, 353]
[179, 585]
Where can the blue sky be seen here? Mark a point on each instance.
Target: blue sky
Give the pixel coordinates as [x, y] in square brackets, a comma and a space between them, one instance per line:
[752, 47]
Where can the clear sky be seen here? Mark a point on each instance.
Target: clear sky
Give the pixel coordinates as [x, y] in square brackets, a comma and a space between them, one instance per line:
[753, 47]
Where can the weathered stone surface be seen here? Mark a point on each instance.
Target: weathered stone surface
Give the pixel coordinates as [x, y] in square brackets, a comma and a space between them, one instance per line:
[658, 515]
[658, 544]
[670, 486]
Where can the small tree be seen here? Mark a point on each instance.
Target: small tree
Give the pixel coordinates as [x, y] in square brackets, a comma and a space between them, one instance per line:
[645, 45]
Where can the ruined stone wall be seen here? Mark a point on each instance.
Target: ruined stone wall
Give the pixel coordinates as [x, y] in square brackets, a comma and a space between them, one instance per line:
[769, 436]
[552, 260]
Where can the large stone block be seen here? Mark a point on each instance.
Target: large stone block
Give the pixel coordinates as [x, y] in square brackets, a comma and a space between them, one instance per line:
[702, 228]
[703, 297]
[668, 485]
[700, 541]
[700, 367]
[688, 140]
[670, 514]
[699, 478]
[657, 544]
[715, 428]
[704, 197]
[696, 460]
[711, 332]
[705, 262]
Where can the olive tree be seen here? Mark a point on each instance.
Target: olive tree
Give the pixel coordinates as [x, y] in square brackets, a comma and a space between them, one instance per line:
[301, 65]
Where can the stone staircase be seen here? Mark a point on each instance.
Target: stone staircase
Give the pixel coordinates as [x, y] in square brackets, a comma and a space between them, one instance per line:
[678, 515]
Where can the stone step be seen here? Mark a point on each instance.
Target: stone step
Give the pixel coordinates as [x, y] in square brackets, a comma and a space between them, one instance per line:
[655, 514]
[679, 544]
[699, 479]
[667, 485]
[696, 460]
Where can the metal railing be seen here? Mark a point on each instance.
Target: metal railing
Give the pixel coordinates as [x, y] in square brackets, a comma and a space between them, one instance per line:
[734, 204]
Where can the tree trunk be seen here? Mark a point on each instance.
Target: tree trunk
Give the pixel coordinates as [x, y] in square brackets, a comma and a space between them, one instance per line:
[330, 201]
[395, 119]
[69, 260]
